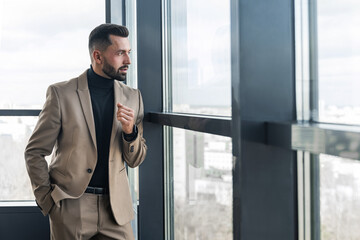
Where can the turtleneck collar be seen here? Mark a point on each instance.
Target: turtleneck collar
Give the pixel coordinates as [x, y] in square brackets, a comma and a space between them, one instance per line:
[97, 81]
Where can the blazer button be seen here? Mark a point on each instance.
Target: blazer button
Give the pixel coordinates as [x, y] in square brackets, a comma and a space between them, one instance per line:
[89, 170]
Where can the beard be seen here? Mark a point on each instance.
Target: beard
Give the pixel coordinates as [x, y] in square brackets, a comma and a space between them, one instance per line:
[113, 73]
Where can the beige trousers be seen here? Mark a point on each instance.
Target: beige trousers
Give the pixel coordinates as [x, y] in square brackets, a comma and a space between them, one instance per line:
[88, 217]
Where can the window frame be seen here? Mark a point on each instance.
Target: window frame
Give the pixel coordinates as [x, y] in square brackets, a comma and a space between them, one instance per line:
[217, 125]
[16, 112]
[313, 134]
[279, 135]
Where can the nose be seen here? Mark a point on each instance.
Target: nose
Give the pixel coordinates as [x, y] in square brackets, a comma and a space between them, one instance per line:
[127, 59]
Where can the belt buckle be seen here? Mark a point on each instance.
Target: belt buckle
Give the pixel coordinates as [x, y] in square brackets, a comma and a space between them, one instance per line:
[98, 190]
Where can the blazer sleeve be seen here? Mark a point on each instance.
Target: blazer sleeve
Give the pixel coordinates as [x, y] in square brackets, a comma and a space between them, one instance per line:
[41, 144]
[134, 152]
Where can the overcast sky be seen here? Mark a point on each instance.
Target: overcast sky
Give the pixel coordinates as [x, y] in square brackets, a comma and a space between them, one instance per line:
[42, 42]
[45, 41]
[339, 51]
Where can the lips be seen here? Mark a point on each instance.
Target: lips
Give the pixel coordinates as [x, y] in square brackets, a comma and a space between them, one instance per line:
[123, 68]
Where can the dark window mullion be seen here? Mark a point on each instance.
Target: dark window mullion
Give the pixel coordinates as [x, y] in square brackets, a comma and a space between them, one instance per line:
[200, 123]
[19, 112]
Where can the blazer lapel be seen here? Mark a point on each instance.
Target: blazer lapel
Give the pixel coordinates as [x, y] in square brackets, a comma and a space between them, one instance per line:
[85, 100]
[118, 98]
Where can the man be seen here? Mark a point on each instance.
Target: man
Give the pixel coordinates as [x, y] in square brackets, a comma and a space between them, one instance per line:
[93, 125]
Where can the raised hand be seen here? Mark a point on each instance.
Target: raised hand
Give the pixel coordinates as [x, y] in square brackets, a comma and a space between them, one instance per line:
[126, 116]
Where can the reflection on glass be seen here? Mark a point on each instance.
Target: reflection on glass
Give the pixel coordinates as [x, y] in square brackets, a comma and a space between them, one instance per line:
[202, 169]
[14, 135]
[339, 198]
[42, 42]
[339, 60]
[200, 56]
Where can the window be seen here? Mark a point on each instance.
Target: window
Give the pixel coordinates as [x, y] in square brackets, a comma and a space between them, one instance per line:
[14, 134]
[339, 102]
[339, 198]
[328, 56]
[202, 178]
[197, 84]
[338, 61]
[200, 57]
[41, 42]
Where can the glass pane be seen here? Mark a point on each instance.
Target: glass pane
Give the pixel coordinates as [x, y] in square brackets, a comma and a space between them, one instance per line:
[42, 42]
[202, 178]
[14, 135]
[339, 198]
[339, 60]
[200, 56]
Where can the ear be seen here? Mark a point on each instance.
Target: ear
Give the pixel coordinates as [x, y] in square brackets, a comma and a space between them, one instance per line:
[97, 56]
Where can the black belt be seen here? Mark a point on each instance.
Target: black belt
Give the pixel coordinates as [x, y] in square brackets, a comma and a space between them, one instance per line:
[97, 190]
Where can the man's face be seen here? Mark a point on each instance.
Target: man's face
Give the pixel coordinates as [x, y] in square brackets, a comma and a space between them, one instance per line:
[116, 59]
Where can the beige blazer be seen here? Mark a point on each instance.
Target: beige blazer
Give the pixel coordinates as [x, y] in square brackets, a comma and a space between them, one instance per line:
[66, 127]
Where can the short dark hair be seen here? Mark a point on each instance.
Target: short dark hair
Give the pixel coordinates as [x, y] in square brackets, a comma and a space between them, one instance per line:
[99, 38]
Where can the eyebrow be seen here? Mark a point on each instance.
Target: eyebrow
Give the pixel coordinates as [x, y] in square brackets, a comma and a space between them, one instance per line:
[123, 50]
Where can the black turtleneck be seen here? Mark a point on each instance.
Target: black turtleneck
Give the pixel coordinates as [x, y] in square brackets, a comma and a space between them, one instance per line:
[102, 101]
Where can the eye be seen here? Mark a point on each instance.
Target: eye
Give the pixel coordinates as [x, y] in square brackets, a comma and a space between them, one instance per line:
[121, 53]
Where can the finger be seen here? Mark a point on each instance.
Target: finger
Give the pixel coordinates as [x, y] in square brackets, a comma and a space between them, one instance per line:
[126, 125]
[124, 112]
[127, 113]
[121, 106]
[126, 117]
[123, 120]
[130, 114]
